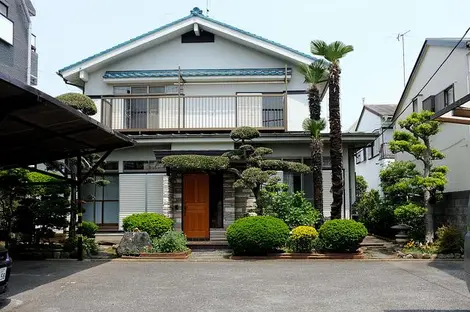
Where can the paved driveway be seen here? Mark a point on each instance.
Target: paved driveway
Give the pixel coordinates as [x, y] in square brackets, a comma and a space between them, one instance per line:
[238, 286]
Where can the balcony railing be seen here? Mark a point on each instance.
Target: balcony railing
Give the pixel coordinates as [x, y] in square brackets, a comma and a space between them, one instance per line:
[174, 113]
[385, 152]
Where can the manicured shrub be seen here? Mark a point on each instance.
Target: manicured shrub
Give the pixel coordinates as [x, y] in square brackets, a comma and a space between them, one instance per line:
[290, 207]
[90, 246]
[80, 102]
[154, 224]
[342, 235]
[302, 238]
[195, 162]
[412, 215]
[89, 229]
[170, 242]
[376, 215]
[449, 240]
[257, 235]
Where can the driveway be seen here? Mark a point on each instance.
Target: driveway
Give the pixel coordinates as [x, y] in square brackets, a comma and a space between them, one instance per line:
[238, 286]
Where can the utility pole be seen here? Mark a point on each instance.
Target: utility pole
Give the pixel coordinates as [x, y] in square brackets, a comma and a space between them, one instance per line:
[402, 38]
[207, 7]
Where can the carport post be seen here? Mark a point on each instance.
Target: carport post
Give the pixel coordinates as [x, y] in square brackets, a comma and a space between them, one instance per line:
[79, 209]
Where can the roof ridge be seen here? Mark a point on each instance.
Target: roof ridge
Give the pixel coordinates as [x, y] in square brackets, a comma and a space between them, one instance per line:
[195, 12]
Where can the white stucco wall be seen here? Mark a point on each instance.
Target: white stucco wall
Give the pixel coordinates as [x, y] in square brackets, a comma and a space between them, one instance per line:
[218, 55]
[369, 122]
[453, 140]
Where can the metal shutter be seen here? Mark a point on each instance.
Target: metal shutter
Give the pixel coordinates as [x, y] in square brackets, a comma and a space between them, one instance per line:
[131, 195]
[327, 195]
[155, 192]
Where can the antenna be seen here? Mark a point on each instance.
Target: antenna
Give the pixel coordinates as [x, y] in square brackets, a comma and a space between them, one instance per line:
[363, 101]
[402, 38]
[207, 7]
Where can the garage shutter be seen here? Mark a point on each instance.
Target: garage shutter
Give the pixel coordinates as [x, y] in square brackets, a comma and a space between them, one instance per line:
[131, 195]
[155, 192]
[327, 195]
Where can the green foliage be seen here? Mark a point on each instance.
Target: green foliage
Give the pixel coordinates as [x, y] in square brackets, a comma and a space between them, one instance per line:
[399, 183]
[89, 229]
[332, 52]
[171, 241]
[316, 72]
[253, 177]
[341, 235]
[195, 162]
[244, 133]
[257, 235]
[302, 238]
[361, 186]
[281, 165]
[314, 127]
[90, 246]
[376, 215]
[71, 244]
[449, 240]
[80, 102]
[154, 224]
[414, 216]
[292, 208]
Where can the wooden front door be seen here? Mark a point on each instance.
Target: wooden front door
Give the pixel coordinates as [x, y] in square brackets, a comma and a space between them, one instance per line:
[196, 205]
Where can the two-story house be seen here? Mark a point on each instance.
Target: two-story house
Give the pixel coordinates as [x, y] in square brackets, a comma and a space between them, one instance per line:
[450, 84]
[180, 89]
[370, 160]
[18, 56]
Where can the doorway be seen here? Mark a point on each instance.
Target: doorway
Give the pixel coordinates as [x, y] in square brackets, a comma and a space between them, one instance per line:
[216, 198]
[196, 206]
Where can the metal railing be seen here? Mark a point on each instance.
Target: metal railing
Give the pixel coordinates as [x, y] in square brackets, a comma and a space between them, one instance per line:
[385, 152]
[170, 113]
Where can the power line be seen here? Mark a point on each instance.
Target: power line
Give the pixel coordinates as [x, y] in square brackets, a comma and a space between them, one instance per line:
[426, 84]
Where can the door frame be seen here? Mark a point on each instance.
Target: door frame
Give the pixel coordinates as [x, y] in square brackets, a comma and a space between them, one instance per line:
[183, 208]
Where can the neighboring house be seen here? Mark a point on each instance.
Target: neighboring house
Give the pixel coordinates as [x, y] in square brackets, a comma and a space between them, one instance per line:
[180, 89]
[449, 85]
[18, 57]
[371, 159]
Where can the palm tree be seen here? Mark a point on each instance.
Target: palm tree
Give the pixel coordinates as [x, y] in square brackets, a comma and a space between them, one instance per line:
[314, 74]
[316, 147]
[333, 52]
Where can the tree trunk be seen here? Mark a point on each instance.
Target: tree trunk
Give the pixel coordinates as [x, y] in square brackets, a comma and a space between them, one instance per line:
[256, 193]
[336, 142]
[317, 164]
[427, 194]
[314, 103]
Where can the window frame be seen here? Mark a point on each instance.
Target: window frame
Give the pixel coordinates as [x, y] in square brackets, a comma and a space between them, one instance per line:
[3, 4]
[446, 93]
[102, 201]
[414, 105]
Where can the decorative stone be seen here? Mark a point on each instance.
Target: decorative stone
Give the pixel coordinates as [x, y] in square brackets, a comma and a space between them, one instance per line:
[426, 256]
[441, 256]
[409, 256]
[401, 237]
[133, 243]
[433, 256]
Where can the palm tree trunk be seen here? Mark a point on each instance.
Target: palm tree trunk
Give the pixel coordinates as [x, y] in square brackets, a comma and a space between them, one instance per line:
[314, 102]
[317, 164]
[336, 144]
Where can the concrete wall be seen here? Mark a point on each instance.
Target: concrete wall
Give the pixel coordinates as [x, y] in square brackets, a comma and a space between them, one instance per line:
[14, 58]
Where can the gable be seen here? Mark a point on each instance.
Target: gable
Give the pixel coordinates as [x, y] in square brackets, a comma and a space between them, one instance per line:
[196, 22]
[368, 122]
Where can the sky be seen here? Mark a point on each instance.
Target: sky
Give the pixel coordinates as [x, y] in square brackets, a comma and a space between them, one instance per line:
[70, 30]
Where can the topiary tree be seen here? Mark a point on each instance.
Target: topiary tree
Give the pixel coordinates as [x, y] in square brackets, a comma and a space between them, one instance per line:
[398, 182]
[80, 102]
[256, 170]
[416, 141]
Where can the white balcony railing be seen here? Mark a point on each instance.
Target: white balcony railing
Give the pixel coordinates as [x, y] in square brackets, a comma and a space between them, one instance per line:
[170, 113]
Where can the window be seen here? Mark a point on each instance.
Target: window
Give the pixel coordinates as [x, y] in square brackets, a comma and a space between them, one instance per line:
[111, 166]
[146, 166]
[374, 149]
[449, 95]
[429, 104]
[360, 156]
[3, 9]
[190, 37]
[102, 202]
[415, 105]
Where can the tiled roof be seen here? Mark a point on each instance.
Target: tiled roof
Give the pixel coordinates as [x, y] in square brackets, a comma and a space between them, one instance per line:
[382, 109]
[196, 73]
[196, 12]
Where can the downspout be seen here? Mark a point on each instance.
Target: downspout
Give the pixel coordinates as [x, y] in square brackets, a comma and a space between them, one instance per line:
[71, 84]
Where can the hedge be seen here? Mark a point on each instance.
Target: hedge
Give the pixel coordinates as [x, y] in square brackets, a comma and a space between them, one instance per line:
[195, 162]
[244, 133]
[154, 224]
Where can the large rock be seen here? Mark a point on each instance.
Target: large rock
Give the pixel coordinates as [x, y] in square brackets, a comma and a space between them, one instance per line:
[133, 243]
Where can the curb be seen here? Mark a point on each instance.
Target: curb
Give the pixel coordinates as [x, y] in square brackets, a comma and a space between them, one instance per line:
[264, 259]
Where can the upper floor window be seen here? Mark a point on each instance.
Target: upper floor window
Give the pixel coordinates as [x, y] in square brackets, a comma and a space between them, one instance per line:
[415, 105]
[449, 95]
[3, 9]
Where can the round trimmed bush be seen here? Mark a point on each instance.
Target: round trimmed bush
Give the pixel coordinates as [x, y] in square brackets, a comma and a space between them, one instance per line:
[257, 235]
[154, 224]
[302, 238]
[89, 229]
[80, 102]
[342, 235]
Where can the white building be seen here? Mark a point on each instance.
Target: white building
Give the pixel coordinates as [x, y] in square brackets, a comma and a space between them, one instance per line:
[180, 89]
[450, 84]
[373, 158]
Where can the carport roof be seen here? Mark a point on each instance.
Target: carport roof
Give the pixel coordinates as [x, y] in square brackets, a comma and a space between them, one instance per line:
[35, 128]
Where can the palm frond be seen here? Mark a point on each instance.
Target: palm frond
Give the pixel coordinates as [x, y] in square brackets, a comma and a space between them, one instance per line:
[332, 52]
[314, 126]
[317, 72]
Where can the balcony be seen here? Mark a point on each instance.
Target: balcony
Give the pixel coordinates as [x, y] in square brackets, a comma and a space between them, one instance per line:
[385, 152]
[194, 113]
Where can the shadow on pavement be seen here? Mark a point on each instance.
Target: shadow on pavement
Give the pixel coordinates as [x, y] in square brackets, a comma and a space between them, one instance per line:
[27, 275]
[453, 268]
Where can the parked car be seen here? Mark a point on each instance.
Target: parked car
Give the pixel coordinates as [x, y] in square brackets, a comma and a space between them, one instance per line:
[5, 269]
